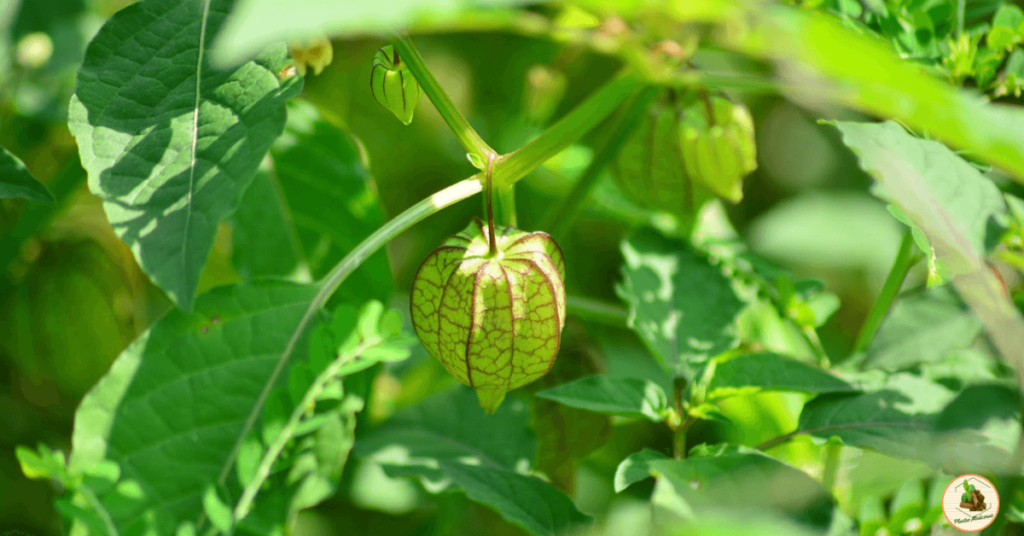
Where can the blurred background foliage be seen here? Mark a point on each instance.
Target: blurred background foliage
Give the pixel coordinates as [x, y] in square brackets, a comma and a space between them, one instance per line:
[72, 296]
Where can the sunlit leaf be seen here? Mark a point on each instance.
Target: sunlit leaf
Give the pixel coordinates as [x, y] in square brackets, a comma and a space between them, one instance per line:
[770, 372]
[174, 402]
[626, 396]
[956, 208]
[170, 142]
[680, 304]
[742, 478]
[450, 443]
[255, 24]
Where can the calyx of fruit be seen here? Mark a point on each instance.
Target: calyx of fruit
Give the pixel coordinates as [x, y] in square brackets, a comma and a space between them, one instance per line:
[393, 85]
[718, 146]
[490, 305]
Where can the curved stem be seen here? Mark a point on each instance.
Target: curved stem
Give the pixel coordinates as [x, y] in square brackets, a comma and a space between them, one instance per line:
[559, 219]
[904, 260]
[597, 311]
[471, 141]
[288, 431]
[330, 283]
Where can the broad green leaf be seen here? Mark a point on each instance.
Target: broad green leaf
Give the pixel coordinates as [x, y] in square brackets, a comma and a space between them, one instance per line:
[626, 396]
[448, 442]
[635, 468]
[922, 327]
[680, 304]
[975, 405]
[170, 143]
[864, 73]
[957, 209]
[255, 24]
[311, 207]
[451, 426]
[524, 500]
[17, 181]
[898, 418]
[770, 372]
[175, 401]
[742, 478]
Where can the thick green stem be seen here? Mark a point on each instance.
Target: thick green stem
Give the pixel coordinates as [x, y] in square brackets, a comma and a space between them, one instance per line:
[489, 183]
[679, 432]
[505, 209]
[568, 130]
[559, 219]
[330, 283]
[473, 143]
[904, 260]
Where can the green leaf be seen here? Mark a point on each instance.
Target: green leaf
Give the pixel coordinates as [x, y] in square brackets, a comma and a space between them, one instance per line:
[922, 327]
[681, 305]
[770, 372]
[451, 426]
[635, 468]
[448, 442]
[218, 513]
[172, 406]
[739, 477]
[312, 207]
[169, 142]
[976, 405]
[255, 24]
[898, 418]
[524, 500]
[626, 396]
[17, 181]
[960, 212]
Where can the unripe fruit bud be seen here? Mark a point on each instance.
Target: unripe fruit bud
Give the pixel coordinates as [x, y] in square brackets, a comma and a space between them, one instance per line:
[718, 147]
[649, 167]
[392, 85]
[316, 52]
[494, 321]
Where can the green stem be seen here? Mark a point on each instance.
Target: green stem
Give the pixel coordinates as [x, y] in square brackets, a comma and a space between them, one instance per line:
[904, 260]
[559, 219]
[961, 8]
[505, 211]
[568, 130]
[491, 239]
[679, 432]
[471, 141]
[288, 431]
[330, 283]
[828, 477]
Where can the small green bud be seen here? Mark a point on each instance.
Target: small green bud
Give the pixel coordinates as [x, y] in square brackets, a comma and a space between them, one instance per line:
[392, 85]
[718, 147]
[494, 321]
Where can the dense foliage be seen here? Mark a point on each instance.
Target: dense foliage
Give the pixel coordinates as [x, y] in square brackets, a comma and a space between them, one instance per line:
[736, 267]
